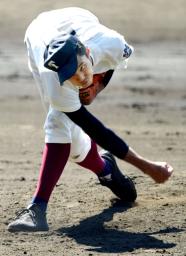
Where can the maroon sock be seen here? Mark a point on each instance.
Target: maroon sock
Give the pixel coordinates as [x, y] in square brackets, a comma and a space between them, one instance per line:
[93, 161]
[54, 159]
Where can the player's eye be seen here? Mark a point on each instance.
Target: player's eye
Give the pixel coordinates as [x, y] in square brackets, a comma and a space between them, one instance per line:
[82, 67]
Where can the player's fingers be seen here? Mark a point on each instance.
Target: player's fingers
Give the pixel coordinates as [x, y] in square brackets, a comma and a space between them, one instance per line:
[169, 170]
[164, 172]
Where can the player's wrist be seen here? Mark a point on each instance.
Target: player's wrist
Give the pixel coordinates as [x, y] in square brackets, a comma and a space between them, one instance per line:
[137, 160]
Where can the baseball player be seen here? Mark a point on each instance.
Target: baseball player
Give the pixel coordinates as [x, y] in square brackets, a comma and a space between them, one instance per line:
[72, 58]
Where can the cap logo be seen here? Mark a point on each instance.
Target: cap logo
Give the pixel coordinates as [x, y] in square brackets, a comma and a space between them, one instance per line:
[52, 64]
[127, 51]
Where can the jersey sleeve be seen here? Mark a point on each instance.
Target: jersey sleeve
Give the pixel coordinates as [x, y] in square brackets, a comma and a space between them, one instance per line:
[109, 50]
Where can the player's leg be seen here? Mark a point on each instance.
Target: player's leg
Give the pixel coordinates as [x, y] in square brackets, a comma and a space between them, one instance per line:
[55, 156]
[84, 152]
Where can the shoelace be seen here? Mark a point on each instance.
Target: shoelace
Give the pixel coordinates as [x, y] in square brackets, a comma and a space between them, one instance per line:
[22, 212]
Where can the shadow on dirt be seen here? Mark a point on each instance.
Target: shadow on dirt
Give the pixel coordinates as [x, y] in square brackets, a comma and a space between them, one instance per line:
[91, 232]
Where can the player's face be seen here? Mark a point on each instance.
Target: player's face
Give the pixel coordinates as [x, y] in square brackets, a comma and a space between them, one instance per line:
[84, 74]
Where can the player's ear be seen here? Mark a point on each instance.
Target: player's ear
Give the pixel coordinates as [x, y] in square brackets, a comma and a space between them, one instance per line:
[89, 56]
[87, 52]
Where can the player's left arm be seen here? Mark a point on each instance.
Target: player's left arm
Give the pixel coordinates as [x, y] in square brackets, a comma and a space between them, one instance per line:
[100, 81]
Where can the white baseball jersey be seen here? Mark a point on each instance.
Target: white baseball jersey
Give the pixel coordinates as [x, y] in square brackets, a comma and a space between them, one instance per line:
[106, 49]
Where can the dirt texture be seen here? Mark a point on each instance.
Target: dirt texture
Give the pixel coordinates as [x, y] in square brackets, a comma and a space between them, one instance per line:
[145, 105]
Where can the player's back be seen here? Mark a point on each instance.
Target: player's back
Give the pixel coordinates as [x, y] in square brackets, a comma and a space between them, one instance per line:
[49, 25]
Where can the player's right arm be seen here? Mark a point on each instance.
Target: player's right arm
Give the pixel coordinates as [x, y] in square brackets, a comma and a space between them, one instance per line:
[107, 139]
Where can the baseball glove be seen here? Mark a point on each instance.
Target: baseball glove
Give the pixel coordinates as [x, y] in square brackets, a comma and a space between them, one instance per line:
[88, 94]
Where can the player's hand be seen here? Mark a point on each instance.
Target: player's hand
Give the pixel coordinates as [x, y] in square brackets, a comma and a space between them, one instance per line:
[160, 171]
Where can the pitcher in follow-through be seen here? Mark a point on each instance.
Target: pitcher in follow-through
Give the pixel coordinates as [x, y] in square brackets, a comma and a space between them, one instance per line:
[72, 58]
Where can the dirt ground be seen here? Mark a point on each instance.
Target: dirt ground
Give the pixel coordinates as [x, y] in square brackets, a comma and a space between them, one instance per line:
[145, 105]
